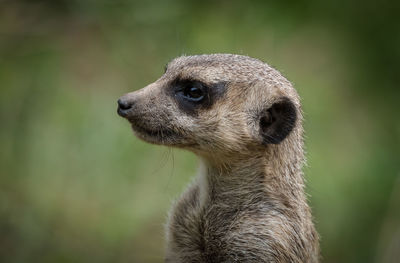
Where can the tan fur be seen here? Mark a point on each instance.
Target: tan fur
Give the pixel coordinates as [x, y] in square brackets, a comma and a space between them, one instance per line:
[247, 203]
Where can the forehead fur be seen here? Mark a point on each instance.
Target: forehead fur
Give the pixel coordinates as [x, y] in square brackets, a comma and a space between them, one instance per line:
[232, 69]
[225, 67]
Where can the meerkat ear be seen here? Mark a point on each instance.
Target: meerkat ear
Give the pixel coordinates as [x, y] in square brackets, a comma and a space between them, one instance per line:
[278, 121]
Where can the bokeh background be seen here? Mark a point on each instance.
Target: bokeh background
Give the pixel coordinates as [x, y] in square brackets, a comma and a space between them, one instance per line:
[77, 186]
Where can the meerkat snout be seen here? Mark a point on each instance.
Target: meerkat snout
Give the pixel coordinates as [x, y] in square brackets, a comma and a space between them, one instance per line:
[244, 121]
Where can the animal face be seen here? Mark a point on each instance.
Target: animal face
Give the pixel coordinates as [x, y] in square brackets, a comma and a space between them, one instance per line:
[213, 104]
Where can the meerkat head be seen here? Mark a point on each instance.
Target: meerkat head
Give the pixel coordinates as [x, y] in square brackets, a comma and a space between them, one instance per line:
[216, 105]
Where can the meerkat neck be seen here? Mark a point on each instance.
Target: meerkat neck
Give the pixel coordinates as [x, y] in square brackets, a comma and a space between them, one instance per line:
[248, 178]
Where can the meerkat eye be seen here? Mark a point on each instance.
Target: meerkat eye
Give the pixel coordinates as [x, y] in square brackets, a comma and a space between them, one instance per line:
[192, 91]
[193, 95]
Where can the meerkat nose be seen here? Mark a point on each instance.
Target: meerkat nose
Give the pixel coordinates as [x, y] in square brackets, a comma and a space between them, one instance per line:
[123, 107]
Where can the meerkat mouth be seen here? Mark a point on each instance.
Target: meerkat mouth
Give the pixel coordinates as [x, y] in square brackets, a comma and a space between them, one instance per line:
[152, 135]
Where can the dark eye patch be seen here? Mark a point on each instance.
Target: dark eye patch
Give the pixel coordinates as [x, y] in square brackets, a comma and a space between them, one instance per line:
[193, 95]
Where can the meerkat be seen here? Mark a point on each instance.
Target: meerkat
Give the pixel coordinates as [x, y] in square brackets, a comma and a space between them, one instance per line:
[243, 120]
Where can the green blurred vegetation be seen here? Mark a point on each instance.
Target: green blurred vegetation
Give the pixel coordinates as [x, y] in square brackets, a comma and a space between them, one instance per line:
[77, 186]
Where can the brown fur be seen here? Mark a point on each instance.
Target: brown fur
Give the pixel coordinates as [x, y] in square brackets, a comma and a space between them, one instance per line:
[247, 203]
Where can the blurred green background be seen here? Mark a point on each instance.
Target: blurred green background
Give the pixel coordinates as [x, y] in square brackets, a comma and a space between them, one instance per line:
[77, 186]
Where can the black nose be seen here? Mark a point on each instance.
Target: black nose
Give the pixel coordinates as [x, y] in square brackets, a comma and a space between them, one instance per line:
[123, 107]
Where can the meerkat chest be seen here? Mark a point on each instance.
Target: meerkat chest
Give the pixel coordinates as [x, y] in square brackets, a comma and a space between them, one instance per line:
[191, 235]
[214, 232]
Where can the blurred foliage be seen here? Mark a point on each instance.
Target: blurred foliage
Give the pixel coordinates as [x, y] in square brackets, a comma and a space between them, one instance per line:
[77, 186]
